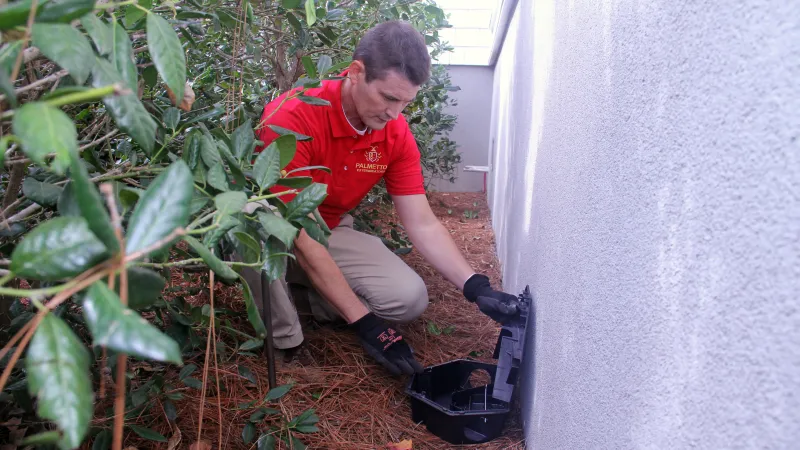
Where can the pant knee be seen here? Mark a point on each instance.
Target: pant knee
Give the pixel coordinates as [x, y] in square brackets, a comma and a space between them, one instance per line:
[409, 300]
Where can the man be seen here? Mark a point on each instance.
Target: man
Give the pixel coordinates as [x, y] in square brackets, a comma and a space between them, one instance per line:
[363, 137]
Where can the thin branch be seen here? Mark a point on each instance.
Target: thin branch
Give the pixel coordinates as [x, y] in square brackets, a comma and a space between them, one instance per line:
[50, 78]
[122, 359]
[28, 27]
[24, 213]
[107, 136]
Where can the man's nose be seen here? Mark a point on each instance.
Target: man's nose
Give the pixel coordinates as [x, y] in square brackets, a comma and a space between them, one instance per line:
[394, 111]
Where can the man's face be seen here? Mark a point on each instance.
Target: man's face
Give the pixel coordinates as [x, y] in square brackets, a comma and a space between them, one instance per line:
[382, 99]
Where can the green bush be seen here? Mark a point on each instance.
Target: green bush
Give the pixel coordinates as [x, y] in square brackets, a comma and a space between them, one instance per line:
[127, 143]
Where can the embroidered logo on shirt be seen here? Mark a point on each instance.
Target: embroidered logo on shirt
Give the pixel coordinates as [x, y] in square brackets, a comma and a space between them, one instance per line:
[372, 156]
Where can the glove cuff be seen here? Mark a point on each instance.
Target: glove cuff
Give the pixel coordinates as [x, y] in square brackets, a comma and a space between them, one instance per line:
[369, 321]
[475, 286]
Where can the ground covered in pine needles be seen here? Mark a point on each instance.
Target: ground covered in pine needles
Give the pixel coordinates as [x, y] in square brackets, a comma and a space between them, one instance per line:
[358, 405]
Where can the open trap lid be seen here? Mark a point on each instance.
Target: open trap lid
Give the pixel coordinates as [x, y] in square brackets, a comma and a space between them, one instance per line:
[510, 349]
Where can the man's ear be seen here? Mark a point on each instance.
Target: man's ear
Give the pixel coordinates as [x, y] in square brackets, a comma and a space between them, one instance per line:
[357, 72]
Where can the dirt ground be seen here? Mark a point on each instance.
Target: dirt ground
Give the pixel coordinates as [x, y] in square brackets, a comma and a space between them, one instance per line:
[358, 405]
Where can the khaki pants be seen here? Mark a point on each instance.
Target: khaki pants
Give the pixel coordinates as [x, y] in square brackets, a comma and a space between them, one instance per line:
[380, 279]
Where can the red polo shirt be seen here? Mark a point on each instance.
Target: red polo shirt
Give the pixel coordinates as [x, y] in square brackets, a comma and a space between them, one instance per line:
[357, 162]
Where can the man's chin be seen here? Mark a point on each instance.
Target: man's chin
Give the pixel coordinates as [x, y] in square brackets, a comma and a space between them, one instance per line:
[378, 124]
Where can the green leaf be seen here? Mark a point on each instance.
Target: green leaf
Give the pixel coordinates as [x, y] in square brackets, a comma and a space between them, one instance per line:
[249, 242]
[193, 383]
[312, 229]
[321, 222]
[150, 76]
[297, 444]
[324, 63]
[57, 366]
[91, 206]
[119, 328]
[123, 57]
[167, 53]
[187, 370]
[287, 146]
[45, 129]
[100, 32]
[267, 168]
[229, 203]
[291, 4]
[266, 442]
[226, 224]
[64, 11]
[103, 440]
[248, 374]
[274, 258]
[217, 178]
[147, 433]
[311, 12]
[128, 112]
[66, 46]
[296, 182]
[307, 417]
[306, 428]
[45, 194]
[171, 118]
[306, 201]
[233, 165]
[209, 151]
[316, 101]
[253, 315]
[67, 202]
[243, 139]
[47, 437]
[134, 14]
[146, 285]
[8, 55]
[191, 148]
[308, 64]
[61, 247]
[163, 208]
[284, 131]
[7, 87]
[278, 392]
[251, 344]
[214, 263]
[278, 227]
[337, 68]
[248, 433]
[170, 410]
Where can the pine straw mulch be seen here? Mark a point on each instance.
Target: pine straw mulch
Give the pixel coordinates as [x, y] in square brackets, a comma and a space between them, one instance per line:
[359, 405]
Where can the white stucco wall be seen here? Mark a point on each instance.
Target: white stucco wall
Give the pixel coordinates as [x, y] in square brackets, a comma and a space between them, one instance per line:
[646, 184]
[471, 133]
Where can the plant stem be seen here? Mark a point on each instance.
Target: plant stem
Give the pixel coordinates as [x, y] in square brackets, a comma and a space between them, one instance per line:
[122, 359]
[85, 96]
[78, 97]
[8, 277]
[115, 5]
[12, 292]
[264, 197]
[203, 230]
[201, 220]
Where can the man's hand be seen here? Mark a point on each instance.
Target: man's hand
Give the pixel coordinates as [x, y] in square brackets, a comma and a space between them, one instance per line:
[386, 345]
[498, 305]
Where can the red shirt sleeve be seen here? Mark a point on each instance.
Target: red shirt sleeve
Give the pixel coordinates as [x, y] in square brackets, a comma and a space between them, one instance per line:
[302, 157]
[404, 174]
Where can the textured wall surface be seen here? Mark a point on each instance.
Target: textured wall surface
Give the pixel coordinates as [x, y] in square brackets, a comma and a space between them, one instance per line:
[649, 192]
[471, 133]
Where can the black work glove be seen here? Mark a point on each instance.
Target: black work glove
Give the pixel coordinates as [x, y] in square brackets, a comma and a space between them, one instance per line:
[386, 345]
[498, 305]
